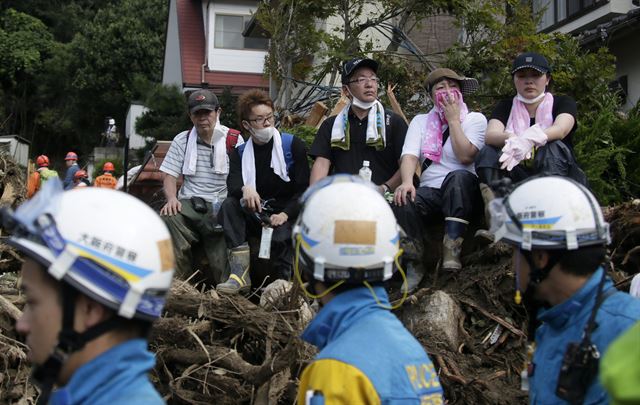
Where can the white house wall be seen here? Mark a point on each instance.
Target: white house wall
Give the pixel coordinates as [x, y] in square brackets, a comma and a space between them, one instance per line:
[230, 60]
[600, 14]
[172, 69]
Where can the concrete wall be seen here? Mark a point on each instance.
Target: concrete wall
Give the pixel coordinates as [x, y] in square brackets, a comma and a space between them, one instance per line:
[135, 111]
[434, 35]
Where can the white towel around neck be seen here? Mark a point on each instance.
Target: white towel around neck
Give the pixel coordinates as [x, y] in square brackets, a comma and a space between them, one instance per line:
[278, 163]
[219, 143]
[338, 133]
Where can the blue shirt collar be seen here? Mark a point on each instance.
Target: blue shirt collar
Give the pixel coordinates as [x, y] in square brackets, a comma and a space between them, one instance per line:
[341, 312]
[128, 358]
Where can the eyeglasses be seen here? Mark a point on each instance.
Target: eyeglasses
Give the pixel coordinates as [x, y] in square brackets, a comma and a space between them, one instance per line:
[365, 80]
[262, 120]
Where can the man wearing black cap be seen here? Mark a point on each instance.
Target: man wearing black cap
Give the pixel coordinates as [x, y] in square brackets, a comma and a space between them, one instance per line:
[530, 133]
[362, 131]
[200, 156]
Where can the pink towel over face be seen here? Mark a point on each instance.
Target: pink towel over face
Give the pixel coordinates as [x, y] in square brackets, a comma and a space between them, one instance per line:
[436, 120]
[519, 120]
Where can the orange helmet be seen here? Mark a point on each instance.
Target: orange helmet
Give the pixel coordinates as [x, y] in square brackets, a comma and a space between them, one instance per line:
[80, 174]
[108, 167]
[42, 161]
[71, 156]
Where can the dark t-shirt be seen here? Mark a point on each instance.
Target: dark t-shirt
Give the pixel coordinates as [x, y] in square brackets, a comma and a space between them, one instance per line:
[561, 104]
[268, 184]
[383, 163]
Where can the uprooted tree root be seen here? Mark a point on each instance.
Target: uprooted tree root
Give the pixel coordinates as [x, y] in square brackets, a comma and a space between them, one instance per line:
[228, 350]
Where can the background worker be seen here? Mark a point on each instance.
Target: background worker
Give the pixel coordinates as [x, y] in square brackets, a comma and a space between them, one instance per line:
[559, 236]
[444, 142]
[71, 160]
[345, 251]
[273, 167]
[40, 176]
[81, 179]
[93, 287]
[106, 179]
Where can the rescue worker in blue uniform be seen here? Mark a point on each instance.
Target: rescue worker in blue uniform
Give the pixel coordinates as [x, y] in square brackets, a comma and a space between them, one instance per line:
[560, 237]
[346, 251]
[93, 287]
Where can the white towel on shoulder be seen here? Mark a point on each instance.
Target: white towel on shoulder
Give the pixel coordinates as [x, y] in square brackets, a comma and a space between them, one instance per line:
[191, 154]
[376, 128]
[278, 163]
[219, 143]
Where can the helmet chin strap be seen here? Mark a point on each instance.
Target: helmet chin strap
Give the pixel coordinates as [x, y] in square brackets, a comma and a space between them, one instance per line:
[69, 341]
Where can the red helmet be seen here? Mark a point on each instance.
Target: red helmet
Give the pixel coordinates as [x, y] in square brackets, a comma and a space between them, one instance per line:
[80, 174]
[108, 167]
[71, 156]
[42, 161]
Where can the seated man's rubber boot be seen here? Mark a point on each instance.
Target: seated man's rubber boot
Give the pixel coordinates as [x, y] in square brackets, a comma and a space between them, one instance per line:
[451, 250]
[415, 274]
[239, 280]
[487, 196]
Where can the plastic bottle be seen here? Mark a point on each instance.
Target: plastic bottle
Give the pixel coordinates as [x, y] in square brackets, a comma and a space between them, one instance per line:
[365, 171]
[215, 208]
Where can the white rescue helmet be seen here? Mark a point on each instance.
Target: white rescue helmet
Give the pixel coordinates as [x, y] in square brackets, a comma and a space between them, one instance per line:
[346, 232]
[549, 213]
[106, 244]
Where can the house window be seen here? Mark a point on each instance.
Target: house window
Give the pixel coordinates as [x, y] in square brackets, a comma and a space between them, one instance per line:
[556, 11]
[228, 33]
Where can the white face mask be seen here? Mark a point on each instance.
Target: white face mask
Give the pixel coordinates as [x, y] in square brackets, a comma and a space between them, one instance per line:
[263, 135]
[359, 103]
[531, 100]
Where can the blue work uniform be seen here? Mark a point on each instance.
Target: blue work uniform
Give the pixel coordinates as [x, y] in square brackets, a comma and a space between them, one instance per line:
[117, 376]
[564, 323]
[366, 356]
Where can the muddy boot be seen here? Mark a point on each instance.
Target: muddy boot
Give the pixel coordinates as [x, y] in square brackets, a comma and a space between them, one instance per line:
[451, 249]
[485, 235]
[239, 280]
[415, 273]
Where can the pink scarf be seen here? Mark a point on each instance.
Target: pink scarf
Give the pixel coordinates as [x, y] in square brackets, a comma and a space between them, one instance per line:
[436, 120]
[519, 119]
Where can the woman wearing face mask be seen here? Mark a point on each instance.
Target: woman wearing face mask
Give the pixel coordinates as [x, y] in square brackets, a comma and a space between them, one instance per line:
[444, 142]
[530, 133]
[271, 166]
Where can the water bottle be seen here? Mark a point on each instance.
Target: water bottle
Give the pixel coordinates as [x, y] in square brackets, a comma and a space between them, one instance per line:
[215, 208]
[365, 171]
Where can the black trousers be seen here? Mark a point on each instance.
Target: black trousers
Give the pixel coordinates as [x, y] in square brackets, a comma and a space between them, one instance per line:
[458, 197]
[240, 224]
[553, 159]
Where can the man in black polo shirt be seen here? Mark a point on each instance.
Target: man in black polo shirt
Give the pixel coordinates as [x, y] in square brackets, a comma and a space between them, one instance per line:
[342, 147]
[363, 130]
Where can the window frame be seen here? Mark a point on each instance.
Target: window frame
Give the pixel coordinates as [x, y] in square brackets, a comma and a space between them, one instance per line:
[245, 19]
[581, 11]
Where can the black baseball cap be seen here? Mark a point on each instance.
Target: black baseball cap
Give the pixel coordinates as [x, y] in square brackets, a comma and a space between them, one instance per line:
[203, 100]
[350, 66]
[531, 60]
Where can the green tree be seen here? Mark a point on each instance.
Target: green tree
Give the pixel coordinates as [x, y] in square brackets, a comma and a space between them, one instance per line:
[25, 44]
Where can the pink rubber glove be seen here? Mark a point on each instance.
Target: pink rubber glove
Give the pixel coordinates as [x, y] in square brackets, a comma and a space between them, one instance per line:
[515, 150]
[536, 135]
